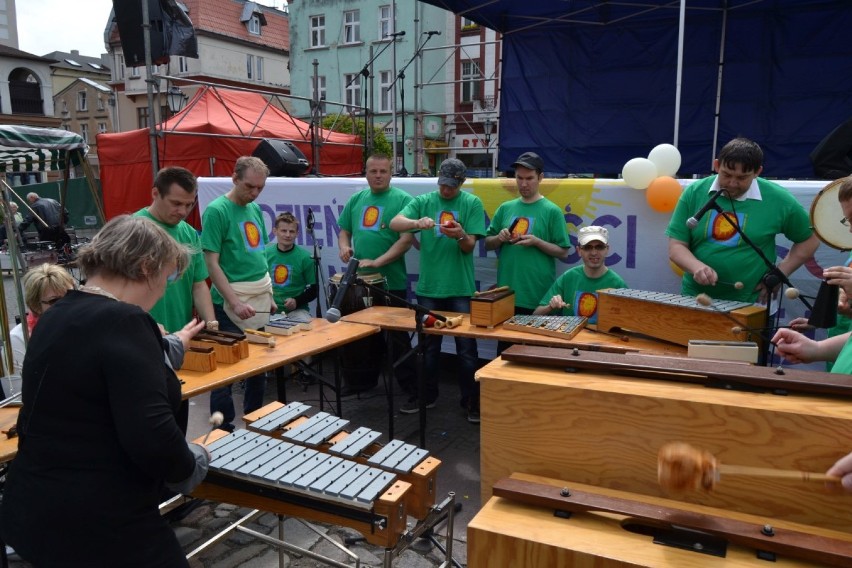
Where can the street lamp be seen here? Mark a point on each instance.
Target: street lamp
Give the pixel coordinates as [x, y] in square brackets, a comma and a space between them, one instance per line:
[176, 99]
[488, 126]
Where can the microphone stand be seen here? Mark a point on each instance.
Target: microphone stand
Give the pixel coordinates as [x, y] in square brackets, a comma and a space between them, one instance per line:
[420, 314]
[401, 78]
[365, 72]
[772, 278]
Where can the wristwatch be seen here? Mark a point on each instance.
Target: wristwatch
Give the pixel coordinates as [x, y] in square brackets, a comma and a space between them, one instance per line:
[463, 237]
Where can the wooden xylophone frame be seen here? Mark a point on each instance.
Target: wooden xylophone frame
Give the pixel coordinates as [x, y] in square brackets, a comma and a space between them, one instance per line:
[422, 478]
[658, 315]
[563, 327]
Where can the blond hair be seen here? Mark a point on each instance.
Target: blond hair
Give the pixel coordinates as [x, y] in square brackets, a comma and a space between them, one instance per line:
[134, 248]
[42, 278]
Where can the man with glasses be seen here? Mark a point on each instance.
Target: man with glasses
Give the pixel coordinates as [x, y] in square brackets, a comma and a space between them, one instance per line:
[708, 248]
[575, 292]
[174, 195]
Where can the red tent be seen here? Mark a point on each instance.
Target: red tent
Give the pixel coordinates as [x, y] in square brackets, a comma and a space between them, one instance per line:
[217, 127]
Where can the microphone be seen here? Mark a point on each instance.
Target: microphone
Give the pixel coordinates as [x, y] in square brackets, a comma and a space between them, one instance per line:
[310, 222]
[397, 34]
[430, 34]
[333, 313]
[692, 222]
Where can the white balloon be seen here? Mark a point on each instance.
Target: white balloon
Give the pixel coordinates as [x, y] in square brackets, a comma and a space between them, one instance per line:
[639, 173]
[667, 159]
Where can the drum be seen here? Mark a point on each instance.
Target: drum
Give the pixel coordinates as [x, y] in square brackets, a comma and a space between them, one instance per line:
[358, 297]
[826, 217]
[362, 359]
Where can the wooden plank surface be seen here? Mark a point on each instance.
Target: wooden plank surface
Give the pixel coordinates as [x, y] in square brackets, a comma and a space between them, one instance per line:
[606, 430]
[506, 533]
[8, 446]
[402, 319]
[322, 337]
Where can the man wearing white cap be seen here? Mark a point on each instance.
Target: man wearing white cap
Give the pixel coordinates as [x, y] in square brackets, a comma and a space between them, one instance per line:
[575, 292]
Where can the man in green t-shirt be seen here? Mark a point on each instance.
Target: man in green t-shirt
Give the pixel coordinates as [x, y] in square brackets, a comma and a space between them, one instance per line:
[712, 254]
[294, 281]
[233, 236]
[450, 222]
[529, 234]
[365, 234]
[575, 292]
[173, 197]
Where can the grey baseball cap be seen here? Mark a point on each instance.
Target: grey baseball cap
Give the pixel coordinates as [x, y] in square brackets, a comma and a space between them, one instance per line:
[452, 172]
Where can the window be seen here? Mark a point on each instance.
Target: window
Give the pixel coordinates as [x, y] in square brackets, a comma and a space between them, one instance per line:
[385, 21]
[254, 24]
[102, 127]
[142, 117]
[320, 91]
[134, 73]
[259, 68]
[100, 103]
[353, 90]
[249, 66]
[467, 24]
[317, 31]
[183, 65]
[470, 76]
[82, 103]
[352, 26]
[84, 132]
[386, 96]
[120, 67]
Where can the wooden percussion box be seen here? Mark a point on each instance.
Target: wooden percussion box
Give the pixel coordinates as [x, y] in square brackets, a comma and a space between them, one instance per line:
[493, 307]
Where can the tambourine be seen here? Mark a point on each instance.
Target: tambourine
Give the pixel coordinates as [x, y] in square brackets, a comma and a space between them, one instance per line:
[826, 216]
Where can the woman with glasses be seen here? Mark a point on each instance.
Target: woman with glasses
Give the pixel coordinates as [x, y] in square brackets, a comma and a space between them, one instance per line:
[575, 292]
[98, 439]
[43, 286]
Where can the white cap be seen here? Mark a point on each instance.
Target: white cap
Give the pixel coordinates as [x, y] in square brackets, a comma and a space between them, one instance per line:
[592, 233]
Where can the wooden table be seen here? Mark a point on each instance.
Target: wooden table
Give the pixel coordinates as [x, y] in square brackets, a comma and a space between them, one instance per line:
[8, 446]
[605, 430]
[402, 319]
[324, 336]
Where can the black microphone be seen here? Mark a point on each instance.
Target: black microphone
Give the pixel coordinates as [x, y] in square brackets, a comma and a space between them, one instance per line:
[397, 34]
[310, 222]
[333, 313]
[692, 222]
[430, 34]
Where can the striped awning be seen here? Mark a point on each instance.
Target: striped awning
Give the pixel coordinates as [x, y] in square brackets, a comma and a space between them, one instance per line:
[30, 149]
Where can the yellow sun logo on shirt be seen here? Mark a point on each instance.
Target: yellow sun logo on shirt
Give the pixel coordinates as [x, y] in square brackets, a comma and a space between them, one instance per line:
[445, 216]
[252, 234]
[281, 274]
[371, 216]
[587, 304]
[522, 227]
[723, 226]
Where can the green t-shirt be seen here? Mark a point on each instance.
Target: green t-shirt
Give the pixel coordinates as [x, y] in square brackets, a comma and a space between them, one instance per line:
[843, 324]
[291, 272]
[580, 292]
[446, 271]
[843, 363]
[174, 309]
[238, 234]
[528, 270]
[367, 217]
[715, 242]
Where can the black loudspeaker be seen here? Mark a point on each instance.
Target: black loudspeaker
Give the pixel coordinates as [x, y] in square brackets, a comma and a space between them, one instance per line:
[282, 158]
[832, 158]
[171, 31]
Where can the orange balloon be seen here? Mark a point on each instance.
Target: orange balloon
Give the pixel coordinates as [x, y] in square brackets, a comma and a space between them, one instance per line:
[662, 194]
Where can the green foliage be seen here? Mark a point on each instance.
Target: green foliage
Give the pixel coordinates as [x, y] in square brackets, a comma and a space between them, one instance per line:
[343, 123]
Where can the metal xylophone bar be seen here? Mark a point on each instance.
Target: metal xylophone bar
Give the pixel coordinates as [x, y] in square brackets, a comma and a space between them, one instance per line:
[677, 300]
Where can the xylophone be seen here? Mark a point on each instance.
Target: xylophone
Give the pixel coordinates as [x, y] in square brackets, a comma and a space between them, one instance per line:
[255, 470]
[327, 433]
[286, 327]
[564, 327]
[676, 318]
[228, 347]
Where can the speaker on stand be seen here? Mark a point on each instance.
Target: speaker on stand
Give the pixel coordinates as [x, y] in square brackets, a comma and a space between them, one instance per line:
[282, 158]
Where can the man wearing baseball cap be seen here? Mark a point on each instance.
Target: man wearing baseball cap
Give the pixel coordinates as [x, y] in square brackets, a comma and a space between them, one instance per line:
[575, 292]
[450, 221]
[529, 234]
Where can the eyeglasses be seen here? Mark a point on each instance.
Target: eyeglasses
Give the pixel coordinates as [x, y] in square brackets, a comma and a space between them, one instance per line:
[594, 247]
[845, 222]
[51, 301]
[173, 276]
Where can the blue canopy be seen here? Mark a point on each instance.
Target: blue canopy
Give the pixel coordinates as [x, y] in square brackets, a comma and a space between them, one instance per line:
[592, 84]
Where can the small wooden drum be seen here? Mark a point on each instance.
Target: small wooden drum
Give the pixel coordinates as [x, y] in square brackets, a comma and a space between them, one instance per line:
[358, 297]
[826, 216]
